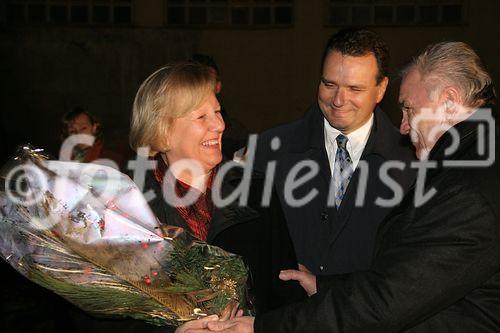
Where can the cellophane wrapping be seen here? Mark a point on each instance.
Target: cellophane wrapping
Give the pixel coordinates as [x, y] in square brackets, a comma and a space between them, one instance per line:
[86, 232]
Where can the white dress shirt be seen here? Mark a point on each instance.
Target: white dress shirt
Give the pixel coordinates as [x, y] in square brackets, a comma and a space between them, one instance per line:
[355, 145]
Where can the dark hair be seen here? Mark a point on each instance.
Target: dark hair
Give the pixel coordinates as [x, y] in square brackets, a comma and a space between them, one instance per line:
[205, 59]
[72, 114]
[359, 42]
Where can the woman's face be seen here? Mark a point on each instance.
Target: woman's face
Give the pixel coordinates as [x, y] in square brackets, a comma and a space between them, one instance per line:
[198, 135]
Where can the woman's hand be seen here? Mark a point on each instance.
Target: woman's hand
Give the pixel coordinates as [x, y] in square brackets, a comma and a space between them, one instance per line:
[306, 279]
[198, 324]
[230, 312]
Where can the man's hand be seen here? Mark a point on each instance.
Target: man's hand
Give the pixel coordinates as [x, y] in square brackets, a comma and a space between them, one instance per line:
[199, 325]
[236, 325]
[306, 279]
[231, 311]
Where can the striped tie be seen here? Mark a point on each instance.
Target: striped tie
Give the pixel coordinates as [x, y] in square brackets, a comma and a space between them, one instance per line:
[342, 170]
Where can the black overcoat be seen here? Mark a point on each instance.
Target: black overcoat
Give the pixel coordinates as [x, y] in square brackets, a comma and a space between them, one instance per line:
[436, 265]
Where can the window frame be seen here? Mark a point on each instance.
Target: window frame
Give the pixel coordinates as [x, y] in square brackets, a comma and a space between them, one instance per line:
[229, 5]
[68, 5]
[416, 4]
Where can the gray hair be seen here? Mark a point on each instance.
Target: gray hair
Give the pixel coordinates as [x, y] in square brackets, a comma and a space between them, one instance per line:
[458, 65]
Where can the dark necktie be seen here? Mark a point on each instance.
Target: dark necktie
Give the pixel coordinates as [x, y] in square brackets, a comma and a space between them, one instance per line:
[342, 169]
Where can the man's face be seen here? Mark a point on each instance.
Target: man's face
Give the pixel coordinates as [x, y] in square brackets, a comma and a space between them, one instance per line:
[423, 118]
[348, 91]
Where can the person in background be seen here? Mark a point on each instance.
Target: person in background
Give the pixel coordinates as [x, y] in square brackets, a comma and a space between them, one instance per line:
[236, 134]
[80, 121]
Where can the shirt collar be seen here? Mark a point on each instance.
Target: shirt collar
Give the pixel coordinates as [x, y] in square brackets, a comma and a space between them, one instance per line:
[356, 139]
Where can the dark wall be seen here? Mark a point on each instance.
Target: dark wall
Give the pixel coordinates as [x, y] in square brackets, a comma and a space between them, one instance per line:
[269, 76]
[46, 71]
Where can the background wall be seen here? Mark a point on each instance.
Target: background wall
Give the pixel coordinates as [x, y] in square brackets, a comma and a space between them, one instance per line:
[269, 76]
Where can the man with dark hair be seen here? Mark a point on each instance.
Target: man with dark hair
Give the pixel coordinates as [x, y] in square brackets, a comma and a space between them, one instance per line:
[348, 139]
[358, 42]
[341, 168]
[437, 261]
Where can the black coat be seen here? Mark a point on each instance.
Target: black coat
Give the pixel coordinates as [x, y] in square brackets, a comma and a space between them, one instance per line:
[328, 241]
[436, 267]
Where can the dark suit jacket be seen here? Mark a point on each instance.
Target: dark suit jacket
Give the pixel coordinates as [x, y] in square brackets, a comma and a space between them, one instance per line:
[436, 267]
[328, 241]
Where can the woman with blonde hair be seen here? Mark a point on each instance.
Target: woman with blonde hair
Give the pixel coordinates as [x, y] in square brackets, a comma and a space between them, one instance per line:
[176, 119]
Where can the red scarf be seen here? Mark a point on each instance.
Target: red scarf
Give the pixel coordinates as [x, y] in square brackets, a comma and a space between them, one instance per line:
[199, 214]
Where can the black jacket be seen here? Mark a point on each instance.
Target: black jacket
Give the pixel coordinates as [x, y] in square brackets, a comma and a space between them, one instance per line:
[328, 241]
[437, 265]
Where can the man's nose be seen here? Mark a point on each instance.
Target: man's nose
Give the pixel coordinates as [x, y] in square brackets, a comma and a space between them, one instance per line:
[404, 128]
[339, 97]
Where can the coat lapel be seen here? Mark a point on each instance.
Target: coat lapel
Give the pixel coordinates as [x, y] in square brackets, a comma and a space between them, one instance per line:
[310, 145]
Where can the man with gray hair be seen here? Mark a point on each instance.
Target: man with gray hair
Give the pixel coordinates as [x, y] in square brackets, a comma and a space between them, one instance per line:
[437, 259]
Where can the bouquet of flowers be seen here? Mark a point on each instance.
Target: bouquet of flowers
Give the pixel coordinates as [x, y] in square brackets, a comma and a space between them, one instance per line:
[86, 232]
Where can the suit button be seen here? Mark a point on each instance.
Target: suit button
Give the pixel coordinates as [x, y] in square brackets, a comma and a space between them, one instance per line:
[324, 216]
[321, 268]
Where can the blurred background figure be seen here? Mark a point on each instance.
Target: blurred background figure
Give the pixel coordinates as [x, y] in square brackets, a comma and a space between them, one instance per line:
[80, 121]
[236, 134]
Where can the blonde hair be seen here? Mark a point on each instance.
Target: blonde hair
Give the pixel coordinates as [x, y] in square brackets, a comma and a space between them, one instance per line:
[170, 92]
[455, 63]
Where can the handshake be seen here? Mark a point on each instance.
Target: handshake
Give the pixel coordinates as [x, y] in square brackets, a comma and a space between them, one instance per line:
[233, 321]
